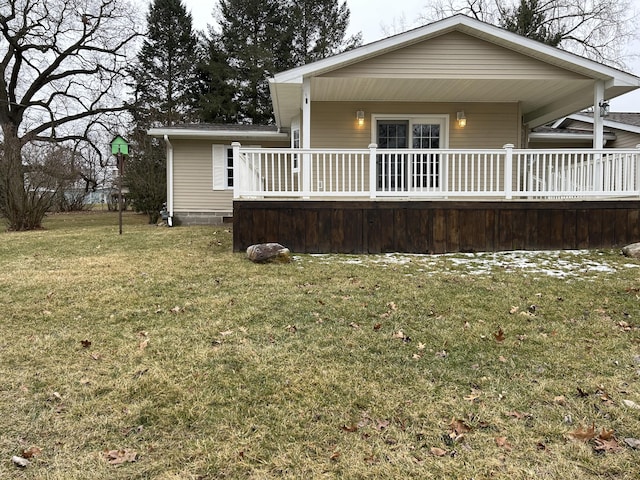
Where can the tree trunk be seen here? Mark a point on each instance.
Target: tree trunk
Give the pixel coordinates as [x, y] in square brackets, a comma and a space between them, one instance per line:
[15, 204]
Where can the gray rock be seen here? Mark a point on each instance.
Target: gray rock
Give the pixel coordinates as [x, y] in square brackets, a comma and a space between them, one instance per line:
[268, 252]
[632, 250]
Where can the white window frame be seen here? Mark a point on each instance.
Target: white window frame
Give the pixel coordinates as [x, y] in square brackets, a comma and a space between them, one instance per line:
[441, 119]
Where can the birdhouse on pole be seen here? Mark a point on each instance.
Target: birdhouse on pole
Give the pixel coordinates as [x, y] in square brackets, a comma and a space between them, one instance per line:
[119, 148]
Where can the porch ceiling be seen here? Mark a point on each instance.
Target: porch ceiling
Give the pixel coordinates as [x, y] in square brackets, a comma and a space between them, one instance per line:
[541, 100]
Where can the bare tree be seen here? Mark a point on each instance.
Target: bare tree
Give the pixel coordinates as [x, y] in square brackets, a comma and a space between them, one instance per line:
[62, 63]
[596, 29]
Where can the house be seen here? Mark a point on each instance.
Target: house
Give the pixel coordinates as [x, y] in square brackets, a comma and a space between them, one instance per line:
[420, 142]
[621, 130]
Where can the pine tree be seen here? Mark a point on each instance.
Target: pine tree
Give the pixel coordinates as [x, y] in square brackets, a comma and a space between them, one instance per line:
[166, 86]
[165, 76]
[530, 19]
[318, 29]
[251, 38]
[263, 37]
[215, 104]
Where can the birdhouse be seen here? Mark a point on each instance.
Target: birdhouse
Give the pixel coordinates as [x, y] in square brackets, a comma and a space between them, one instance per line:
[119, 146]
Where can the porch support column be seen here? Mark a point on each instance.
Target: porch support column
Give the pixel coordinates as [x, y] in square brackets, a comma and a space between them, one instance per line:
[306, 137]
[598, 124]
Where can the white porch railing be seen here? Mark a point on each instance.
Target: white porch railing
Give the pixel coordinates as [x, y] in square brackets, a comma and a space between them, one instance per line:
[435, 173]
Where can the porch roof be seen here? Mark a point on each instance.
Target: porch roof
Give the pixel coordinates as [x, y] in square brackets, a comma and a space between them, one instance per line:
[223, 132]
[542, 99]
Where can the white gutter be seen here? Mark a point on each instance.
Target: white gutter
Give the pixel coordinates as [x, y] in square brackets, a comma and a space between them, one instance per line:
[215, 134]
[169, 180]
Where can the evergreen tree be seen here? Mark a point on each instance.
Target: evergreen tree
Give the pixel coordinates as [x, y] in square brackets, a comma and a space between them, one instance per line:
[318, 29]
[216, 100]
[251, 38]
[166, 86]
[263, 37]
[530, 19]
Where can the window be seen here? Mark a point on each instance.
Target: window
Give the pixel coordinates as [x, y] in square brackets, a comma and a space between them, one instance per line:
[229, 167]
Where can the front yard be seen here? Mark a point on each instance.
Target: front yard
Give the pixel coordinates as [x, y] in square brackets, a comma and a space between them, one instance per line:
[161, 354]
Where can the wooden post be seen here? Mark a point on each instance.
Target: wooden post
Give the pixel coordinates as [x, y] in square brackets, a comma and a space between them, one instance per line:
[120, 172]
[508, 171]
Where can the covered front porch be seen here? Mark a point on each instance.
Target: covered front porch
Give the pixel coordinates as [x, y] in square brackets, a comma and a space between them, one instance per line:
[405, 174]
[436, 200]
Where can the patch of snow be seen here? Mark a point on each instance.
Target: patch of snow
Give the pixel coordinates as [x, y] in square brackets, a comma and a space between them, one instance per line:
[554, 263]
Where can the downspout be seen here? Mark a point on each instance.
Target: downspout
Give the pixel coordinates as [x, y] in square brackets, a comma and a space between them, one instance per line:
[169, 180]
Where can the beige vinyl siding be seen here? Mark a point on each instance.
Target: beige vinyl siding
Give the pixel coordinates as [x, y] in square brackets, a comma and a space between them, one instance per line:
[193, 177]
[489, 125]
[625, 139]
[454, 55]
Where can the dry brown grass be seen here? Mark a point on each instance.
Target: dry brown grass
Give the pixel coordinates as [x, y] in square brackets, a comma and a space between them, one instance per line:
[208, 366]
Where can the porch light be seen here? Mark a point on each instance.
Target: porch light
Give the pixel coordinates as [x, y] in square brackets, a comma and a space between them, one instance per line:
[360, 117]
[461, 119]
[604, 108]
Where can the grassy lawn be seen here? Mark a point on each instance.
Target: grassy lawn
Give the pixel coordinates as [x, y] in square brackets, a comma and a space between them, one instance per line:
[163, 345]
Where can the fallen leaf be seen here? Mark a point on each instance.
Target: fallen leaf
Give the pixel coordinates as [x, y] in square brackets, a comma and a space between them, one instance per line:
[584, 434]
[335, 456]
[514, 309]
[473, 396]
[292, 328]
[582, 393]
[518, 415]
[499, 336]
[377, 326]
[229, 332]
[459, 427]
[392, 306]
[398, 334]
[96, 356]
[421, 346]
[560, 400]
[438, 452]
[441, 354]
[118, 457]
[176, 309]
[350, 428]
[502, 359]
[31, 452]
[382, 424]
[606, 434]
[611, 445]
[503, 443]
[143, 344]
[354, 325]
[85, 343]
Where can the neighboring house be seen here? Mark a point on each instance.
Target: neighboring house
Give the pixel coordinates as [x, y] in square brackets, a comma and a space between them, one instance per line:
[621, 130]
[420, 142]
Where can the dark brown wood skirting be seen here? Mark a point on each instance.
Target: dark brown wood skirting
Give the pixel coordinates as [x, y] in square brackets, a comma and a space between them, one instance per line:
[436, 226]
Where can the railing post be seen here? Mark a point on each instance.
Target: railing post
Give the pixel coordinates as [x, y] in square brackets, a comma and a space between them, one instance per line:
[237, 175]
[306, 175]
[637, 185]
[508, 171]
[373, 183]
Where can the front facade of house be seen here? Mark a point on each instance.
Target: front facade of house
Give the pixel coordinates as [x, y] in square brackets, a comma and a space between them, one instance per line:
[443, 113]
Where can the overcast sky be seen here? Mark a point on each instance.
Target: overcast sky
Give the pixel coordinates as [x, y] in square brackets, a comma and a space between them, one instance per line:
[374, 19]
